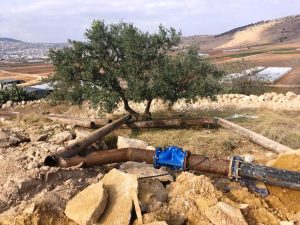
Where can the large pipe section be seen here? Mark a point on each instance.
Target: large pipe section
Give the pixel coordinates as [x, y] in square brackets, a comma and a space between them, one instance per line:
[254, 137]
[81, 145]
[193, 162]
[173, 157]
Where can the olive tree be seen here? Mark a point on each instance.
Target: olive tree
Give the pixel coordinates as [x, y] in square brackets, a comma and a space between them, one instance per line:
[119, 62]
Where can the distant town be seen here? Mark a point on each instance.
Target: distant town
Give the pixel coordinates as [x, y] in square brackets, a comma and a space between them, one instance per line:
[18, 51]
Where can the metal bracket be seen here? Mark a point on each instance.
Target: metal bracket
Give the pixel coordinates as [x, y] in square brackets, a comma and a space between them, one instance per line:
[234, 167]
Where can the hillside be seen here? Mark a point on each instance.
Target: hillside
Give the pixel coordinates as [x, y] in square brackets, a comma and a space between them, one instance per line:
[9, 39]
[283, 30]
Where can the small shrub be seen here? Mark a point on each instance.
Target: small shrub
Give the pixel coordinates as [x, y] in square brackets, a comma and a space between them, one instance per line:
[14, 93]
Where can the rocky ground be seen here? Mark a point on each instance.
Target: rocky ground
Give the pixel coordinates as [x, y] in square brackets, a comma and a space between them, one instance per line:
[31, 193]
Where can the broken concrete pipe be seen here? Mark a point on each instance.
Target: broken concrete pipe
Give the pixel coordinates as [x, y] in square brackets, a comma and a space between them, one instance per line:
[79, 146]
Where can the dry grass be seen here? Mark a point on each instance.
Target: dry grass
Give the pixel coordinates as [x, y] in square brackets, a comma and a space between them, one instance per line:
[280, 126]
[283, 127]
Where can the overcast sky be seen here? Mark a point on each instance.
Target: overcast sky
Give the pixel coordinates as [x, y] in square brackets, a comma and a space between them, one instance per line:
[59, 20]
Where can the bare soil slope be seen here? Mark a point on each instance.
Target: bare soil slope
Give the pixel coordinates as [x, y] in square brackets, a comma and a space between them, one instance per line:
[283, 30]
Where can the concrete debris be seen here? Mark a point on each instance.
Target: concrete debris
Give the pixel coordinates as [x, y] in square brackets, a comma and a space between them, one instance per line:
[88, 205]
[145, 170]
[122, 189]
[152, 194]
[223, 213]
[125, 142]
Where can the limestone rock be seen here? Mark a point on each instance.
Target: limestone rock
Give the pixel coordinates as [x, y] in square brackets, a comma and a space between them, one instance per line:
[81, 133]
[223, 213]
[87, 206]
[290, 95]
[9, 104]
[12, 138]
[42, 137]
[62, 137]
[124, 142]
[122, 190]
[287, 223]
[157, 223]
[25, 184]
[30, 209]
[152, 194]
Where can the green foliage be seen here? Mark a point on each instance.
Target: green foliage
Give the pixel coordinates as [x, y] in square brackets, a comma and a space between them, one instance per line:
[13, 93]
[118, 62]
[185, 76]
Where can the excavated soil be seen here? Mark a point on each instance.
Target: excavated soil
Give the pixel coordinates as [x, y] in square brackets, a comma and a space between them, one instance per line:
[289, 197]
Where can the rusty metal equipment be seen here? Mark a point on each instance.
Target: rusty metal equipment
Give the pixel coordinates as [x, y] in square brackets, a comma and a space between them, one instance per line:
[81, 145]
[175, 158]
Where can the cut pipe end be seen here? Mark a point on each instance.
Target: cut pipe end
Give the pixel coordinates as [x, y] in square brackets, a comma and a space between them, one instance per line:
[51, 161]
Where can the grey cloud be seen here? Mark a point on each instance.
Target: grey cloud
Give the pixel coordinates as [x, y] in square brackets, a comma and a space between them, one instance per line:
[58, 20]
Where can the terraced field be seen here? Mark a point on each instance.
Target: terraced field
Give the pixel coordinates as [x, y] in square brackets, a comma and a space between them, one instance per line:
[31, 73]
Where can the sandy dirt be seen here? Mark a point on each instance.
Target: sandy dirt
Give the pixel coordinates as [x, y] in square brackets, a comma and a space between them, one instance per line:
[250, 36]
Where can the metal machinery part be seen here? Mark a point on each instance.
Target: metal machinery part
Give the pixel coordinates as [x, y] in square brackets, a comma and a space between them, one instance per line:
[171, 156]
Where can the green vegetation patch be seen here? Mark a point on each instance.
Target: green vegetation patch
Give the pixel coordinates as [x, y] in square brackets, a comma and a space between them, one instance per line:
[286, 53]
[15, 94]
[282, 49]
[245, 54]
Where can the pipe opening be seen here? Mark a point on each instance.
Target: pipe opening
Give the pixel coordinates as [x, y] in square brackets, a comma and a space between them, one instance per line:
[93, 125]
[50, 161]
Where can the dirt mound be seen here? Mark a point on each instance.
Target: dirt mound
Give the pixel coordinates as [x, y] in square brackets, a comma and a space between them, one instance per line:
[289, 161]
[43, 214]
[189, 197]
